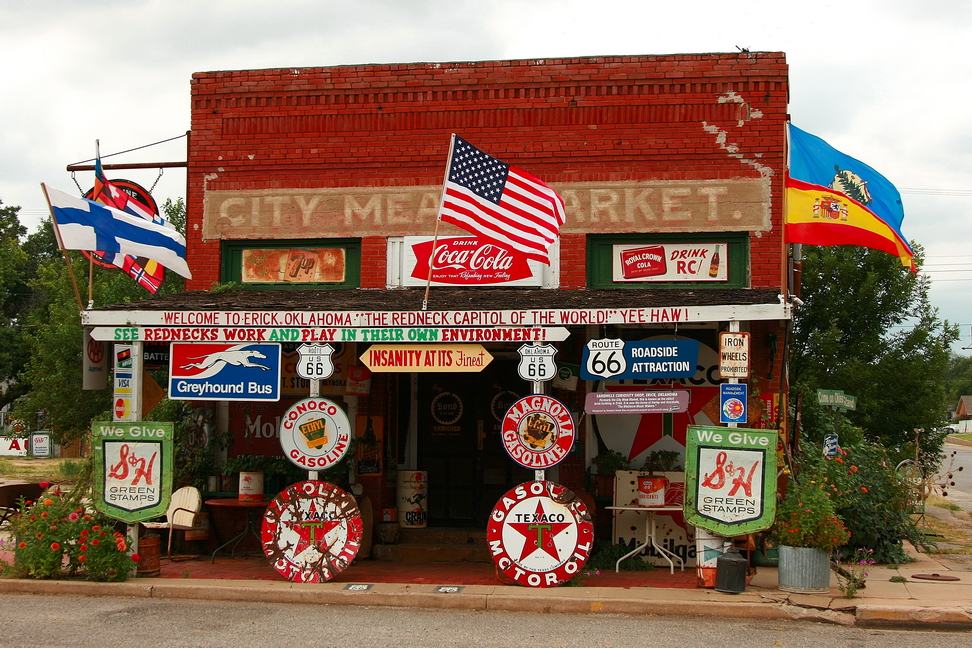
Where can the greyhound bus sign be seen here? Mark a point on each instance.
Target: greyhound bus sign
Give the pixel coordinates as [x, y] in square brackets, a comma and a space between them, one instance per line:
[224, 371]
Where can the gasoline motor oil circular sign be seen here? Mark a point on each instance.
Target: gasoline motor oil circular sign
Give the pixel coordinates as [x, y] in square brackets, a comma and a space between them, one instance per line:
[538, 431]
[312, 531]
[540, 534]
[315, 433]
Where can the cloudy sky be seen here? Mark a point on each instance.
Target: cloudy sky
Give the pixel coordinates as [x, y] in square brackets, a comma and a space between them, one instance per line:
[885, 81]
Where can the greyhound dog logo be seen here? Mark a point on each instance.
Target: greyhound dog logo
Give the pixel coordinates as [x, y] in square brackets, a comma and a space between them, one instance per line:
[238, 356]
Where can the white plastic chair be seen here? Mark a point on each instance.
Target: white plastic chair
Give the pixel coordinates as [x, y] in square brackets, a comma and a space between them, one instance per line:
[185, 504]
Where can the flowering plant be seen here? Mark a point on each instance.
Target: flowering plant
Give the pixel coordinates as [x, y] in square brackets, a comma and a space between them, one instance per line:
[852, 574]
[58, 534]
[806, 517]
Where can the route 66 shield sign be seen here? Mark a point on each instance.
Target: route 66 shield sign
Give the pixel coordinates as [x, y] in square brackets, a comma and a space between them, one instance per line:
[537, 362]
[315, 361]
[605, 358]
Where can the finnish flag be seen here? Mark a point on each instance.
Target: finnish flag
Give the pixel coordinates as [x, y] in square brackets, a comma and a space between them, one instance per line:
[86, 225]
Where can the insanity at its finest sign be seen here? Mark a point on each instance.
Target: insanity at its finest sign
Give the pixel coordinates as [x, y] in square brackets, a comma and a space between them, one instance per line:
[312, 531]
[722, 205]
[315, 433]
[470, 358]
[730, 479]
[133, 469]
[538, 432]
[540, 534]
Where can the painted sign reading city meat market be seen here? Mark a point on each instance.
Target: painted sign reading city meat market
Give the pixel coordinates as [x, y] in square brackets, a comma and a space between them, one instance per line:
[468, 358]
[724, 205]
[538, 431]
[539, 534]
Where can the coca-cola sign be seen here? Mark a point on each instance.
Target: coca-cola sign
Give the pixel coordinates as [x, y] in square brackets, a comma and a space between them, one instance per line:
[467, 260]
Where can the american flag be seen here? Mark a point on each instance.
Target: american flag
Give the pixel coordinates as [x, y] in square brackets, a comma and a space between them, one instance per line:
[500, 203]
[145, 272]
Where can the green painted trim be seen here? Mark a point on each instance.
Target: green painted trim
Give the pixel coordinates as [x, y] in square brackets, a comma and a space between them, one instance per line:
[232, 262]
[599, 275]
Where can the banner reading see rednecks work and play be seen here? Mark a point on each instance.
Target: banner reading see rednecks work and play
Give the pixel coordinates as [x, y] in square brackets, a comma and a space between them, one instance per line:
[500, 203]
[833, 199]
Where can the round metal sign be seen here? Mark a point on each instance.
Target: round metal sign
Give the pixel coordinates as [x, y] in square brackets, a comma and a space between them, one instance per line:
[538, 431]
[312, 531]
[315, 433]
[540, 534]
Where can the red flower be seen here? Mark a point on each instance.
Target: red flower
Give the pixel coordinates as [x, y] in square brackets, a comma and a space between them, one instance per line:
[83, 547]
[96, 542]
[838, 460]
[136, 557]
[22, 545]
[82, 558]
[864, 489]
[84, 533]
[48, 502]
[45, 484]
[55, 546]
[95, 527]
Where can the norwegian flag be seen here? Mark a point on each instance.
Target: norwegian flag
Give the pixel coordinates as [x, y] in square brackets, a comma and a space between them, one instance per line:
[500, 203]
[145, 272]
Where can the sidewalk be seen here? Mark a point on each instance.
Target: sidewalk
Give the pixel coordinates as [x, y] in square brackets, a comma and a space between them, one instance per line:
[473, 586]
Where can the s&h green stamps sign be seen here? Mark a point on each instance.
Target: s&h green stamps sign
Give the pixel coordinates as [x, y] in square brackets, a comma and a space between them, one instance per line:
[730, 476]
[133, 469]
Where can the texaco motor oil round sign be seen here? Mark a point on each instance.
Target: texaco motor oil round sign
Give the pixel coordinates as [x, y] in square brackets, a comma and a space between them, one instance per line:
[538, 431]
[312, 531]
[315, 433]
[540, 534]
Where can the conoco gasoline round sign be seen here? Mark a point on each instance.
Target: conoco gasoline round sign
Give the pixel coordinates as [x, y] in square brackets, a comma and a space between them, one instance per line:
[312, 531]
[540, 534]
[315, 433]
[538, 431]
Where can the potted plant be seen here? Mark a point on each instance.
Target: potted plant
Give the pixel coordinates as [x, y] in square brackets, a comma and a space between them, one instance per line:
[806, 531]
[603, 467]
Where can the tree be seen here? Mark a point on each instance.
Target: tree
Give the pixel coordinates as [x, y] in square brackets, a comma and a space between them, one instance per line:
[867, 327]
[54, 371]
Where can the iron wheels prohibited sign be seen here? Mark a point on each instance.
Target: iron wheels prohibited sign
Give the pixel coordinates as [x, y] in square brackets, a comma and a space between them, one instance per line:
[540, 534]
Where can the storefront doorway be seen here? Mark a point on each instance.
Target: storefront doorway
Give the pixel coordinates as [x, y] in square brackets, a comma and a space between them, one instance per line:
[459, 417]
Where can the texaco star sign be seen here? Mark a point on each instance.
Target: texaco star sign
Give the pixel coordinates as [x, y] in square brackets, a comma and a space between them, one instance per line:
[540, 534]
[312, 531]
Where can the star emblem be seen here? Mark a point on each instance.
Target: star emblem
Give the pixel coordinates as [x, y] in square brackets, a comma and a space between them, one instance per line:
[539, 534]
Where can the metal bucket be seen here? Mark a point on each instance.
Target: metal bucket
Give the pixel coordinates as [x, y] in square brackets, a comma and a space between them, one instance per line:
[411, 493]
[651, 490]
[708, 548]
[251, 486]
[804, 570]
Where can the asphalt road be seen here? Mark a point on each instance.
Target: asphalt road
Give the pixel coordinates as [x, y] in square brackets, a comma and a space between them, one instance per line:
[67, 622]
[962, 478]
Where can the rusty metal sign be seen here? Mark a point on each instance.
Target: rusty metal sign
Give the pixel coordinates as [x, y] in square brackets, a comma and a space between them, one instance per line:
[538, 431]
[312, 531]
[540, 534]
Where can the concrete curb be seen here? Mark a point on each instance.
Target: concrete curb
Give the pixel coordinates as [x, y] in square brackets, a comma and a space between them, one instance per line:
[581, 600]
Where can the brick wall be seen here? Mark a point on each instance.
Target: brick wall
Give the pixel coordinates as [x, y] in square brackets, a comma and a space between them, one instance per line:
[684, 117]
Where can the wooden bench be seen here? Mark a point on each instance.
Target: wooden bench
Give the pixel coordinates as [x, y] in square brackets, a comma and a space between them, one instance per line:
[11, 495]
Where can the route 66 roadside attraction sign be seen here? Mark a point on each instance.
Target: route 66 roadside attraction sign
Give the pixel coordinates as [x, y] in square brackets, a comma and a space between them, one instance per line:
[133, 469]
[730, 479]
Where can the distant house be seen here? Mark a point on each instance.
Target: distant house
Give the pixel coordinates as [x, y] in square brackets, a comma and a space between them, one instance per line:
[963, 415]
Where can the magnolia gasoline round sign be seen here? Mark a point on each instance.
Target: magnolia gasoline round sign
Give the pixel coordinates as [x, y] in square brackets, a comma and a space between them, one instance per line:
[538, 431]
[540, 534]
[312, 531]
[315, 433]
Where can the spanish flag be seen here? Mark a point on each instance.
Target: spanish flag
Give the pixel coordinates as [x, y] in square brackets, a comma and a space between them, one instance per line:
[833, 199]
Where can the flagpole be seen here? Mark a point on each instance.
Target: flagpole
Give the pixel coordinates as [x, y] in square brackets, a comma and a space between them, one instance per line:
[438, 219]
[60, 243]
[91, 253]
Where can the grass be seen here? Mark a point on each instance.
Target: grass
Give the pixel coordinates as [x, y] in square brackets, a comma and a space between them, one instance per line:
[944, 533]
[965, 437]
[31, 469]
[941, 502]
